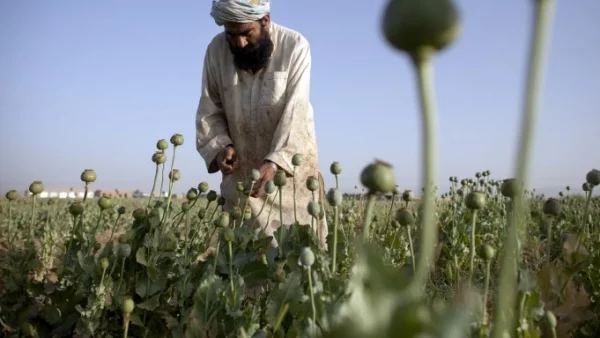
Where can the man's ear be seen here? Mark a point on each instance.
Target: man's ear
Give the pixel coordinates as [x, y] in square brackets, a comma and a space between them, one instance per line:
[266, 21]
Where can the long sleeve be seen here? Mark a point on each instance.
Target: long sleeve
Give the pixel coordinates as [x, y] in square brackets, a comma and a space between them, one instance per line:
[295, 130]
[212, 132]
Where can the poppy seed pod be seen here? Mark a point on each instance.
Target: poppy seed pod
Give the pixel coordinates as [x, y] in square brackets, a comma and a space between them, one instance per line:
[174, 175]
[240, 187]
[247, 213]
[593, 177]
[221, 201]
[314, 209]
[123, 239]
[203, 187]
[307, 257]
[88, 176]
[407, 196]
[177, 140]
[186, 206]
[297, 160]
[585, 186]
[509, 188]
[104, 263]
[404, 217]
[475, 200]
[280, 179]
[378, 177]
[255, 175]
[124, 250]
[159, 158]
[270, 187]
[228, 235]
[162, 144]
[222, 221]
[105, 202]
[335, 168]
[192, 194]
[236, 213]
[211, 196]
[12, 195]
[128, 306]
[334, 197]
[312, 183]
[486, 252]
[201, 214]
[409, 25]
[139, 214]
[76, 208]
[121, 210]
[552, 207]
[36, 188]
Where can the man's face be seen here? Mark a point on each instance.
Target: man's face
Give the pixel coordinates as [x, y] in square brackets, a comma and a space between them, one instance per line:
[250, 44]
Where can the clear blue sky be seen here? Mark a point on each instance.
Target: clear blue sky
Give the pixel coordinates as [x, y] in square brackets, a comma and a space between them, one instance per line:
[94, 84]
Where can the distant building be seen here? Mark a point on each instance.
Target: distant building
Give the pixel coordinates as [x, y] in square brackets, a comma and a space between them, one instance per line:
[73, 193]
[64, 193]
[80, 192]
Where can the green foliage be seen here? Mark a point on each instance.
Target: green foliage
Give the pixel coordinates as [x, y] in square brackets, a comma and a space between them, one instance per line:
[54, 283]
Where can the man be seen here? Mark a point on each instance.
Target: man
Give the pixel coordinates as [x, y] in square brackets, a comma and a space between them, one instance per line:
[255, 113]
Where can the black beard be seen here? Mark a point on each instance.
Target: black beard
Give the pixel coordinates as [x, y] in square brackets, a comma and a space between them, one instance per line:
[253, 57]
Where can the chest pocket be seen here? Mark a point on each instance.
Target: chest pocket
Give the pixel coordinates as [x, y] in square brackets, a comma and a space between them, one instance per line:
[273, 89]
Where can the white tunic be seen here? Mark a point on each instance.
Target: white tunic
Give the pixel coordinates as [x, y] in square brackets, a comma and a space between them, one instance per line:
[266, 116]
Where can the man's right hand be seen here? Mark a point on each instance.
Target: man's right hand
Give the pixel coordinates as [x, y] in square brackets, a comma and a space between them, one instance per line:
[227, 160]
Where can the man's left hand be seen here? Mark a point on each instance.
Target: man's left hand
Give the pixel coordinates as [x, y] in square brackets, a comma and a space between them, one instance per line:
[267, 173]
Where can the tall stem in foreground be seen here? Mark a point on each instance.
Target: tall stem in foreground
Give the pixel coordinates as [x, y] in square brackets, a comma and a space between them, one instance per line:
[504, 316]
[280, 241]
[335, 237]
[162, 180]
[153, 185]
[171, 182]
[294, 187]
[368, 216]
[424, 68]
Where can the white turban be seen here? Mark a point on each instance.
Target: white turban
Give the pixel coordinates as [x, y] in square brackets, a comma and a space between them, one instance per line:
[240, 11]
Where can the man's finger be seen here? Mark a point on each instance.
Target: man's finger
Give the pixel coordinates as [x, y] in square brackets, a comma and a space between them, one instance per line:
[261, 192]
[230, 154]
[259, 186]
[231, 160]
[255, 189]
[235, 165]
[226, 169]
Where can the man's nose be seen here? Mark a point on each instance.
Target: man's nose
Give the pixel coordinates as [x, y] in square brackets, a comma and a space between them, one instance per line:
[241, 42]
